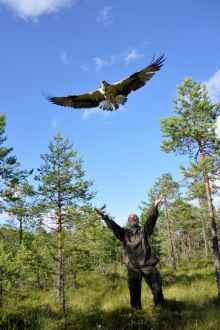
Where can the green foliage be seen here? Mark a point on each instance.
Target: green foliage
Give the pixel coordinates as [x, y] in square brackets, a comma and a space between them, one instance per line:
[61, 186]
[9, 167]
[5, 269]
[43, 260]
[169, 189]
[19, 198]
[90, 244]
[194, 122]
[192, 132]
[61, 177]
[101, 302]
[76, 239]
[165, 186]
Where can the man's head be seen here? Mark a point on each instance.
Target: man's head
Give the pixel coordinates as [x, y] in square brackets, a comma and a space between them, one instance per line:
[133, 219]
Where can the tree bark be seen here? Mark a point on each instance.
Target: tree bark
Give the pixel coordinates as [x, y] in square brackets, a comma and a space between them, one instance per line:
[189, 243]
[205, 237]
[204, 230]
[61, 271]
[186, 243]
[74, 282]
[212, 224]
[184, 247]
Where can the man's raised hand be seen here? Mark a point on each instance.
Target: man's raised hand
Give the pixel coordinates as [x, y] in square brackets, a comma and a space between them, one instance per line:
[101, 211]
[158, 200]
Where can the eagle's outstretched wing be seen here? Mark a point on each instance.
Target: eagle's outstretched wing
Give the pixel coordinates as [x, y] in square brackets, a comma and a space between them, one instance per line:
[138, 79]
[88, 100]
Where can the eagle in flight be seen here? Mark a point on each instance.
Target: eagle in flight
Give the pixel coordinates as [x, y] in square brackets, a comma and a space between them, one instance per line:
[110, 96]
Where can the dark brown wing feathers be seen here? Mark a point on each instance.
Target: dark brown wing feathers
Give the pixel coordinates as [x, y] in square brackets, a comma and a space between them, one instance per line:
[139, 79]
[88, 100]
[124, 87]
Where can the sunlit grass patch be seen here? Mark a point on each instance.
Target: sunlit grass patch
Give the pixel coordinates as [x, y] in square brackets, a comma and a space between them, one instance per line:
[102, 302]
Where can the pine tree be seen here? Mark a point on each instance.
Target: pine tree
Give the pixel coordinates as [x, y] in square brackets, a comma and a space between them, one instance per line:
[19, 196]
[92, 240]
[192, 132]
[169, 189]
[61, 185]
[8, 163]
[186, 227]
[196, 191]
[8, 175]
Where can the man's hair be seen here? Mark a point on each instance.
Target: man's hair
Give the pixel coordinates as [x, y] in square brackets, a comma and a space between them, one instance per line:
[133, 215]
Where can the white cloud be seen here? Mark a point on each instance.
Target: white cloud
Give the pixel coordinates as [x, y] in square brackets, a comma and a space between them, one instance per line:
[35, 8]
[133, 55]
[213, 85]
[100, 62]
[123, 57]
[64, 57]
[105, 16]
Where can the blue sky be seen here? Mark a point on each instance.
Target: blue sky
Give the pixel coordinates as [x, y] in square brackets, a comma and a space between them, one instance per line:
[59, 47]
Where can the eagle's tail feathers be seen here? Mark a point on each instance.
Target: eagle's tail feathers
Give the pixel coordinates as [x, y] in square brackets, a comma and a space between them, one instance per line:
[121, 99]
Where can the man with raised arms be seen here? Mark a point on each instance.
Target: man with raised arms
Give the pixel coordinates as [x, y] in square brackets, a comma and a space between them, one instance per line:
[137, 254]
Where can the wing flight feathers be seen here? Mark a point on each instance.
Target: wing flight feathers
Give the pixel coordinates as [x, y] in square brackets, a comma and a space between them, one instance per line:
[122, 88]
[88, 100]
[139, 79]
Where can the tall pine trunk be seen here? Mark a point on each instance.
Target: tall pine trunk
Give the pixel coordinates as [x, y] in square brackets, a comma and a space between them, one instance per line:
[61, 269]
[184, 250]
[189, 244]
[204, 229]
[74, 280]
[212, 224]
[205, 238]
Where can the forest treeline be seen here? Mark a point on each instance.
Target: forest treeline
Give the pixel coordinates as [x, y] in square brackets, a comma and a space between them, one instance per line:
[53, 232]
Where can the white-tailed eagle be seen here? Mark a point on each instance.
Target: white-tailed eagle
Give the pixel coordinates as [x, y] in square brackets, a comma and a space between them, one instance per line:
[110, 96]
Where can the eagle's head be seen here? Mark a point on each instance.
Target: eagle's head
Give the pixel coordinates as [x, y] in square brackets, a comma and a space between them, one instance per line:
[104, 84]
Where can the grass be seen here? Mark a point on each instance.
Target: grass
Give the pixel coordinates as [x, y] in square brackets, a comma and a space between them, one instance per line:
[102, 302]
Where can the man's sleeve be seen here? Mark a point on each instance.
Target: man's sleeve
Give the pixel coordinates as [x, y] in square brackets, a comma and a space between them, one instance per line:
[117, 230]
[151, 220]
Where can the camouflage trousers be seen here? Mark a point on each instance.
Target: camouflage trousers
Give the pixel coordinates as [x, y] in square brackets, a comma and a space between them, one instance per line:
[152, 278]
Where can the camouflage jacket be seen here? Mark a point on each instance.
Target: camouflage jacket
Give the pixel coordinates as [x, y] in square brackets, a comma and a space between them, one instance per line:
[137, 250]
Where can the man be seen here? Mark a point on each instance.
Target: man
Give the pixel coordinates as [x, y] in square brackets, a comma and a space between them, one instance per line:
[137, 254]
